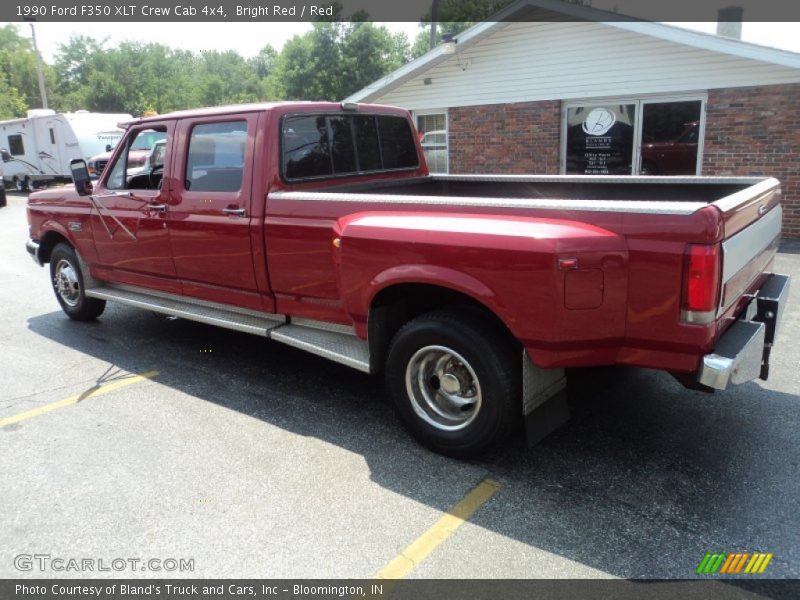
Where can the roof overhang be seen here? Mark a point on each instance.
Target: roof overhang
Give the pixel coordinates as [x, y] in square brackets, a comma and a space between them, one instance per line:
[556, 10]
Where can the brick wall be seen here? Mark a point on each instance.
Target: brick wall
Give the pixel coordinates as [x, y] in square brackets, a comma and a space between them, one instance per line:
[756, 131]
[505, 138]
[749, 131]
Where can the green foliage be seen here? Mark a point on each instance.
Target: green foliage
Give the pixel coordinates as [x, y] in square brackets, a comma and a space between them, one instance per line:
[329, 62]
[18, 77]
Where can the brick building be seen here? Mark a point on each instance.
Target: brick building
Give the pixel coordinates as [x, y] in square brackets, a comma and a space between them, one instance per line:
[553, 88]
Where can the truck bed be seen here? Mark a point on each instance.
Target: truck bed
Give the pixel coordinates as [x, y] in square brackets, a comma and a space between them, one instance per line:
[681, 195]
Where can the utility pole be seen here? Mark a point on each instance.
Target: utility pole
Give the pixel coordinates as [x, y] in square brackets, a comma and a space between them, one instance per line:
[434, 16]
[42, 91]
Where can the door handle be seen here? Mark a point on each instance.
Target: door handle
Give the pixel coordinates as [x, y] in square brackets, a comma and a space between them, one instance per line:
[239, 212]
[162, 208]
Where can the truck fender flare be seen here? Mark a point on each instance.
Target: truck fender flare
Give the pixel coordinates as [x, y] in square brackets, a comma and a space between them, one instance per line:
[52, 226]
[435, 275]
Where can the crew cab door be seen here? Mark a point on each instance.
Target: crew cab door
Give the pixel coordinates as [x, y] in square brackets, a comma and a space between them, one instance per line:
[129, 215]
[210, 215]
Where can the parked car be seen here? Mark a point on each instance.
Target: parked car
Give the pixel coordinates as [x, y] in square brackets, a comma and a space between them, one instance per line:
[137, 157]
[318, 225]
[673, 157]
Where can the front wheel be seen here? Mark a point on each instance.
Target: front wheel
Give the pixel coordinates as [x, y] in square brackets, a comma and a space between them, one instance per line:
[67, 280]
[454, 379]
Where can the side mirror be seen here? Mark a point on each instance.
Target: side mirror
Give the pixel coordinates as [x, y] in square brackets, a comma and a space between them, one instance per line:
[6, 156]
[108, 147]
[80, 177]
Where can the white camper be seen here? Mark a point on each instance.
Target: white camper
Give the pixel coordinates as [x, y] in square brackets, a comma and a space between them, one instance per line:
[39, 148]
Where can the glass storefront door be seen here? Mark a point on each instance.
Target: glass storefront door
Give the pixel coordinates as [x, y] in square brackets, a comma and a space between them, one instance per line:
[670, 134]
[600, 139]
[625, 137]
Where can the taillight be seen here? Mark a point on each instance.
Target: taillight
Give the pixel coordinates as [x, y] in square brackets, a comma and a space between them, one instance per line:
[701, 279]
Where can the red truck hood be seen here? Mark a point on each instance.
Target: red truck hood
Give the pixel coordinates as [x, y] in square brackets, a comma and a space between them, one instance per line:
[64, 195]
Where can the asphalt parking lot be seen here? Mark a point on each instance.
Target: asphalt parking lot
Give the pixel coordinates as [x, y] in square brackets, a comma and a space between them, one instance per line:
[257, 460]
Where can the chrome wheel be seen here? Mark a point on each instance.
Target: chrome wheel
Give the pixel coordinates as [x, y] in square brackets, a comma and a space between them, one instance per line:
[66, 283]
[443, 388]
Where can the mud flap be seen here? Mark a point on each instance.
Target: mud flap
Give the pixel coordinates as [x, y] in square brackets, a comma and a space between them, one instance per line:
[544, 400]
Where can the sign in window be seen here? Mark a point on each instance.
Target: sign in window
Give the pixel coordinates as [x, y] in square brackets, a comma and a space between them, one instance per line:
[643, 137]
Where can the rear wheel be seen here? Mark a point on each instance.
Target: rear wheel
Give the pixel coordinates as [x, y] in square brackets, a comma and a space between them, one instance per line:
[454, 379]
[67, 280]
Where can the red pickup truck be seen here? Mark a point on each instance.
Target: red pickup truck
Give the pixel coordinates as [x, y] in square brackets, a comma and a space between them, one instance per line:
[318, 225]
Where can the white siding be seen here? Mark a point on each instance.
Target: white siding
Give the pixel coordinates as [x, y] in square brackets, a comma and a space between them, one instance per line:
[525, 62]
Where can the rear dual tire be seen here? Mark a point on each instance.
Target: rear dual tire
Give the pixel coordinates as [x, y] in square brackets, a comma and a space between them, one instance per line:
[454, 378]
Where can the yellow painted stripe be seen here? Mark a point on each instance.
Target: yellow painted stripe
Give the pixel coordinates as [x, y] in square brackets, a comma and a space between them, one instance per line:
[419, 549]
[90, 393]
[759, 559]
[753, 560]
[763, 567]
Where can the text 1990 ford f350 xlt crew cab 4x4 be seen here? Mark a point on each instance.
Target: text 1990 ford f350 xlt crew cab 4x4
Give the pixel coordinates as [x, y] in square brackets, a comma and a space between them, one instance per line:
[318, 225]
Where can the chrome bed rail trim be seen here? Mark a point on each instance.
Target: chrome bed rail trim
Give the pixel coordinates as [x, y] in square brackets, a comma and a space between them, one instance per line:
[631, 206]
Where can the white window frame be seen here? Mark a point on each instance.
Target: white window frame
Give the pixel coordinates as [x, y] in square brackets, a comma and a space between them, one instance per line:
[639, 100]
[438, 111]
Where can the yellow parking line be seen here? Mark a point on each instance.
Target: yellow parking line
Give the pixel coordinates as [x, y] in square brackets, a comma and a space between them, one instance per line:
[419, 549]
[98, 390]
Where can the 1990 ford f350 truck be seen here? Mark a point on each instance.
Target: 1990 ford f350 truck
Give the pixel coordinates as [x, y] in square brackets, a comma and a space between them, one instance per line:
[318, 225]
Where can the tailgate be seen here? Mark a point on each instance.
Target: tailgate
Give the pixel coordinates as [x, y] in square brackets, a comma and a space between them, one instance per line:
[752, 221]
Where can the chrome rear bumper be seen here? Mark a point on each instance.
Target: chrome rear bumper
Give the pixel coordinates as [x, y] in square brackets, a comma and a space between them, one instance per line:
[742, 353]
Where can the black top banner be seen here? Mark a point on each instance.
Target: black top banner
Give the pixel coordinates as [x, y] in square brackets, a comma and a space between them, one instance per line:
[91, 11]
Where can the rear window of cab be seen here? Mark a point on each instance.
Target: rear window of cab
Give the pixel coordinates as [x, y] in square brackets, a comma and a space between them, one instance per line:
[331, 145]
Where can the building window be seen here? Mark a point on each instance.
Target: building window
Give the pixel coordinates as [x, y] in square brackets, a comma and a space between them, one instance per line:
[648, 136]
[15, 145]
[432, 128]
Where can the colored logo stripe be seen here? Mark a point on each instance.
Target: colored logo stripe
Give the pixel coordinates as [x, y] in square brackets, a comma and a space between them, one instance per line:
[733, 563]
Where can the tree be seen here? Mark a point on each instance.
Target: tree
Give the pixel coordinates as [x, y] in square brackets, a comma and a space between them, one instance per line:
[18, 73]
[335, 59]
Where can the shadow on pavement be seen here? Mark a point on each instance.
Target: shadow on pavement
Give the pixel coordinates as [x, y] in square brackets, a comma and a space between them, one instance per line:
[644, 479]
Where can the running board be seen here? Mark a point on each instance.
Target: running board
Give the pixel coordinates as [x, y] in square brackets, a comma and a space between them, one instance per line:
[334, 342]
[193, 310]
[343, 348]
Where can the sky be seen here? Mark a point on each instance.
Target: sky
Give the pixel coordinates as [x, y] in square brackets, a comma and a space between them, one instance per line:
[248, 38]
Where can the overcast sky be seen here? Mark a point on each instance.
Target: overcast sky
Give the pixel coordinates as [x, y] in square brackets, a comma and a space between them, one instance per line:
[248, 38]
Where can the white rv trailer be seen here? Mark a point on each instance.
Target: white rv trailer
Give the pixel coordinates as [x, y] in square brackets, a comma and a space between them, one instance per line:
[39, 148]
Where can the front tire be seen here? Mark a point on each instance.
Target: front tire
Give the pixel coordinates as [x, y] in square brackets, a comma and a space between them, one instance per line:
[67, 280]
[454, 378]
